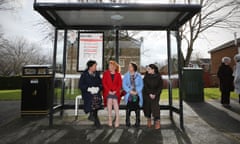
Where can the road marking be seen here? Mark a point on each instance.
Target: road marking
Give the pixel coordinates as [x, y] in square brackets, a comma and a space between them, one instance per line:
[108, 133]
[139, 133]
[56, 137]
[42, 136]
[92, 136]
[116, 136]
[169, 137]
[131, 130]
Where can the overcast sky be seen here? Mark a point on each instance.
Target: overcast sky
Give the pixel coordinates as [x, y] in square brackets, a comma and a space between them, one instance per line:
[22, 23]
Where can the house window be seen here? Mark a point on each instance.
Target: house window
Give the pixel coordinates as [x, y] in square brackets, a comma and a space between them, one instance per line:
[122, 62]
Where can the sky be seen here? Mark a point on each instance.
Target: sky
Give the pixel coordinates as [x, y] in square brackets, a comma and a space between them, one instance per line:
[22, 23]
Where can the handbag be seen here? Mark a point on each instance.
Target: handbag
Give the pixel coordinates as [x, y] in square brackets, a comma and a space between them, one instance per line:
[133, 101]
[133, 98]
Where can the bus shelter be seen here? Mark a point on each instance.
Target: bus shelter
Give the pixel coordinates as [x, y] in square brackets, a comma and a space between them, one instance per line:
[116, 16]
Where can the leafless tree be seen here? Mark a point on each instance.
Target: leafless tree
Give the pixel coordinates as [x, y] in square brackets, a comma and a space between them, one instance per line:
[9, 4]
[17, 53]
[219, 14]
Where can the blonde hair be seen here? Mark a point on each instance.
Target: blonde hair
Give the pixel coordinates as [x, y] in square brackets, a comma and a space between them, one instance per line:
[118, 69]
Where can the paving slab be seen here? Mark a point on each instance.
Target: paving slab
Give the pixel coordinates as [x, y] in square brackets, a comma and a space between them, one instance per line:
[205, 123]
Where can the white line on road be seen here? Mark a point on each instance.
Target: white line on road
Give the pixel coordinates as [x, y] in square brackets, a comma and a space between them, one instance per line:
[108, 133]
[92, 136]
[116, 136]
[56, 137]
[169, 137]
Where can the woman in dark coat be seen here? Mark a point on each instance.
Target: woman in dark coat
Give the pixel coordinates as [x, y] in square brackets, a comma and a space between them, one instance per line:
[224, 74]
[90, 85]
[151, 95]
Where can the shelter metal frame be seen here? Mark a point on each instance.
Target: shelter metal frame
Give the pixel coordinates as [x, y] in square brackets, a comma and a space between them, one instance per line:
[56, 14]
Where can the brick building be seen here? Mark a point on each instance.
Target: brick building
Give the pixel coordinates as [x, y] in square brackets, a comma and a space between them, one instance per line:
[228, 49]
[129, 50]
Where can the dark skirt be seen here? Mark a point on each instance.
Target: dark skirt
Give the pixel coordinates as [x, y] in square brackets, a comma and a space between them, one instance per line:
[96, 102]
[112, 97]
[151, 107]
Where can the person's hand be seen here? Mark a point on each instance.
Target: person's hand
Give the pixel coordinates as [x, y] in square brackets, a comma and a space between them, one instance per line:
[93, 90]
[152, 96]
[89, 89]
[133, 92]
[110, 93]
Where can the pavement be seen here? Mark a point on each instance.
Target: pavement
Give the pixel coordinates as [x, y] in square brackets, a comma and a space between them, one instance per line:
[205, 123]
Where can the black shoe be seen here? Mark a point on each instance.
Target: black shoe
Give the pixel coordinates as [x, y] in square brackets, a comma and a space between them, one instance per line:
[226, 106]
[128, 125]
[91, 117]
[137, 125]
[97, 124]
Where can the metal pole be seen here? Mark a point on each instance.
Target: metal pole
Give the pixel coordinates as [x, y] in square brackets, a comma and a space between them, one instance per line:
[53, 79]
[236, 42]
[117, 46]
[169, 73]
[180, 80]
[64, 70]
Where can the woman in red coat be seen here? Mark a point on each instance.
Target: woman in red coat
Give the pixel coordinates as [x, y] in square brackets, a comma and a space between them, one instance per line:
[112, 85]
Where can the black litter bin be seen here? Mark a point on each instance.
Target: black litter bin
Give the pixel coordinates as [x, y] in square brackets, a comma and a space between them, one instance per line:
[36, 90]
[193, 85]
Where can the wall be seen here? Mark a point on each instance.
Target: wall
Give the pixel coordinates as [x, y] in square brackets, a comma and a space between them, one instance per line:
[216, 58]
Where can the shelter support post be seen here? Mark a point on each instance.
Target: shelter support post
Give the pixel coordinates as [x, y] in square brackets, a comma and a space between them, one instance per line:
[53, 79]
[169, 73]
[64, 69]
[180, 79]
[117, 46]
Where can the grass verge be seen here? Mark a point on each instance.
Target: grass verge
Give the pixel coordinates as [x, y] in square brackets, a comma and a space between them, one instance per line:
[209, 93]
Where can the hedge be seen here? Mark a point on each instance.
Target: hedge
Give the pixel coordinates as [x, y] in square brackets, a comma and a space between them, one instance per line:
[9, 83]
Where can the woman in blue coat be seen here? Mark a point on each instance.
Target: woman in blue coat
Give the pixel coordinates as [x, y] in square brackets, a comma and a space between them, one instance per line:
[90, 85]
[133, 85]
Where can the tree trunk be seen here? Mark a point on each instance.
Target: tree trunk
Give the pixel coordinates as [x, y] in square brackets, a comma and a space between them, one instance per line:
[189, 53]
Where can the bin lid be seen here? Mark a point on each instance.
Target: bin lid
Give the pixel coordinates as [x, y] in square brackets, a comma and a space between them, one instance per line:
[38, 66]
[37, 70]
[192, 68]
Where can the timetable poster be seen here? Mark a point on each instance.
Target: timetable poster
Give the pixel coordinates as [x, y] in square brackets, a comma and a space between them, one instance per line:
[90, 48]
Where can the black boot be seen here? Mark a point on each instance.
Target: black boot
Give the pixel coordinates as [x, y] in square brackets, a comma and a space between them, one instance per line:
[137, 111]
[91, 116]
[96, 119]
[128, 112]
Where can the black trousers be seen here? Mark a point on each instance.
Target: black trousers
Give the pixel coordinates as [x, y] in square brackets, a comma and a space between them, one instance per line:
[225, 97]
[133, 107]
[96, 118]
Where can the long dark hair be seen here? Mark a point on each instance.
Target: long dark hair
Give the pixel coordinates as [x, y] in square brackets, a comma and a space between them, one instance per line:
[134, 65]
[154, 67]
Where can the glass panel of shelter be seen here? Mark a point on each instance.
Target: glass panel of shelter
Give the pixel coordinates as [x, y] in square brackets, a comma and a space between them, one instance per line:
[71, 78]
[59, 74]
[174, 69]
[72, 74]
